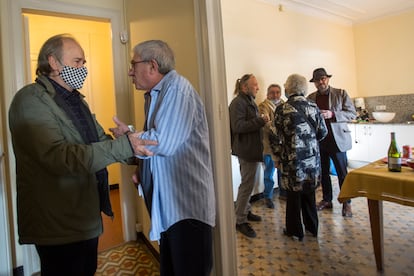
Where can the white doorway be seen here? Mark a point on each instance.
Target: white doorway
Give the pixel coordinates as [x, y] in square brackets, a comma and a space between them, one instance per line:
[5, 254]
[94, 35]
[211, 60]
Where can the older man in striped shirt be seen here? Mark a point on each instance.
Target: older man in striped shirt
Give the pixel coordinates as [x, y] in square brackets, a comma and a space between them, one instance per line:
[177, 180]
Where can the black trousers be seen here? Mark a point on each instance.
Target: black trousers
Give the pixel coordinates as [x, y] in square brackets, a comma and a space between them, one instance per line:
[301, 205]
[340, 162]
[73, 259]
[186, 249]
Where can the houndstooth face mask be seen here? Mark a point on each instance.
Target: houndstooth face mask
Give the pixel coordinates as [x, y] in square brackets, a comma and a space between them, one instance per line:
[74, 77]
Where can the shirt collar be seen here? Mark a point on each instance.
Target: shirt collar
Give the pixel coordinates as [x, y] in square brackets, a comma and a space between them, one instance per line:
[165, 79]
[66, 94]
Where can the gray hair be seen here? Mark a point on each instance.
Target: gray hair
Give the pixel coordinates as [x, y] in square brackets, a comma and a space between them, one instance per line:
[159, 51]
[296, 84]
[240, 82]
[52, 47]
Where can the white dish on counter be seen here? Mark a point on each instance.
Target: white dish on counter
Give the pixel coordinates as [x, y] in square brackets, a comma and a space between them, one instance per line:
[383, 117]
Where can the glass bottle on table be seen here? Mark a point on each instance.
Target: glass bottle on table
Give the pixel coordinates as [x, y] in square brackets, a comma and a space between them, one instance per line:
[394, 155]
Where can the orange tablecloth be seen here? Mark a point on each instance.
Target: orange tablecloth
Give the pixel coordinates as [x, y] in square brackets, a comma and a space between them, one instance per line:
[377, 184]
[374, 181]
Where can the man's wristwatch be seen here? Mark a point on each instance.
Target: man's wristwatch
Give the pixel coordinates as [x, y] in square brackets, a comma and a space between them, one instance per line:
[131, 129]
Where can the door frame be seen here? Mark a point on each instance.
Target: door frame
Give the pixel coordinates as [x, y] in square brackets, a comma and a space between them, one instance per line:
[16, 62]
[213, 82]
[5, 254]
[209, 32]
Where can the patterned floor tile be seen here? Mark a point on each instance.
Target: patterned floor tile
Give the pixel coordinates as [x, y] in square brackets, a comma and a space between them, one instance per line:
[343, 246]
[132, 258]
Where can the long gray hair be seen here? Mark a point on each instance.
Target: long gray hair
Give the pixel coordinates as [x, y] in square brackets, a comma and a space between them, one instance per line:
[240, 82]
[159, 51]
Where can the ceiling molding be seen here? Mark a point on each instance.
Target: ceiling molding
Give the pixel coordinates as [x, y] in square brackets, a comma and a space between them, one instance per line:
[348, 12]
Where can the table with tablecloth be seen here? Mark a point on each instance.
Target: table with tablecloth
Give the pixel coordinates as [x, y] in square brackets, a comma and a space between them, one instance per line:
[377, 184]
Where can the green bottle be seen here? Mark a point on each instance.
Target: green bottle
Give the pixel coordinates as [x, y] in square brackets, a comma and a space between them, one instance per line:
[394, 155]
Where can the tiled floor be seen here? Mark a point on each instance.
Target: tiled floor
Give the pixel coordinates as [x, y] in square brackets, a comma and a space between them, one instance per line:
[131, 258]
[343, 247]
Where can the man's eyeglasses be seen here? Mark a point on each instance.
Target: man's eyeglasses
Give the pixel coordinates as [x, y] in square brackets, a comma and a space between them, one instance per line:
[133, 62]
[323, 79]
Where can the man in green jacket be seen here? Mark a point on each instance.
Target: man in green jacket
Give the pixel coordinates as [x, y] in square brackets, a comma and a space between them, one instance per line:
[61, 157]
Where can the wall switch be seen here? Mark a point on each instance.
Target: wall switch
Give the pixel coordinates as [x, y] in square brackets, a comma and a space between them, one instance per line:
[380, 107]
[123, 36]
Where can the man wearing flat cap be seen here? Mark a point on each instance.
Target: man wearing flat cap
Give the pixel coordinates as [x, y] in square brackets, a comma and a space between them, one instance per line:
[337, 109]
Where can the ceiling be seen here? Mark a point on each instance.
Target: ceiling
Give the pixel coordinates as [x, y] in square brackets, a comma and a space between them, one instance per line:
[346, 11]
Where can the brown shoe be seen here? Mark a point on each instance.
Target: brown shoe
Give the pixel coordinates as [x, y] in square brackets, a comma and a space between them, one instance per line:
[324, 205]
[347, 210]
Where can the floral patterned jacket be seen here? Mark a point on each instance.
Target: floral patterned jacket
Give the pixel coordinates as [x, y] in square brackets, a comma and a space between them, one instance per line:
[299, 126]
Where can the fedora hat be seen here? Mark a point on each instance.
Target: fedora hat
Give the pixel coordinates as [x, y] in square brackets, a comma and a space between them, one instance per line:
[319, 73]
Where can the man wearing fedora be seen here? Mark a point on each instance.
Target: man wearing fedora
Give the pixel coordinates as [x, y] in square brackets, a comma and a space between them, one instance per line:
[337, 109]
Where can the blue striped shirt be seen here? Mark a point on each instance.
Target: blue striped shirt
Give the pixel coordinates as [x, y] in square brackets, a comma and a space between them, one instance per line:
[181, 165]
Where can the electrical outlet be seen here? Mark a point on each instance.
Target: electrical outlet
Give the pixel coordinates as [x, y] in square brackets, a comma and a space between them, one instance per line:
[381, 107]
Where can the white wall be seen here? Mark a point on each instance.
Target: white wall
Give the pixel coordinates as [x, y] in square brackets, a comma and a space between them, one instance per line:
[272, 45]
[369, 59]
[384, 55]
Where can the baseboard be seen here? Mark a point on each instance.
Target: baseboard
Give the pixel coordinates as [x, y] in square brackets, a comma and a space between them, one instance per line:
[154, 252]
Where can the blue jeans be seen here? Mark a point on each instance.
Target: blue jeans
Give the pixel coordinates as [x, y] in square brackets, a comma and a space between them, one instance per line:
[269, 171]
[268, 178]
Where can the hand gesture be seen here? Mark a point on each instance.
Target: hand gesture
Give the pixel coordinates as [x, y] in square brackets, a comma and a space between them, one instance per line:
[265, 117]
[326, 114]
[120, 129]
[139, 144]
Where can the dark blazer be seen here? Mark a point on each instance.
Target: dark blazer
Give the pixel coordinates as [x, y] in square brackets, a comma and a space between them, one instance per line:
[246, 129]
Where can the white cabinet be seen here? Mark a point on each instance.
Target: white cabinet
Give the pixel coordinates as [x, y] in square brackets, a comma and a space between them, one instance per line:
[404, 135]
[259, 183]
[370, 141]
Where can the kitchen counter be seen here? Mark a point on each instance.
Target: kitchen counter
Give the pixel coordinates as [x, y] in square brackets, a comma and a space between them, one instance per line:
[380, 123]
